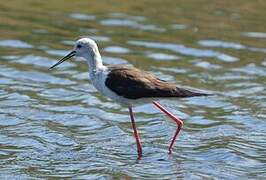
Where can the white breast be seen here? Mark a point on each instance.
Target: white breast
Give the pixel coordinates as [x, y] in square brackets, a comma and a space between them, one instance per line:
[98, 80]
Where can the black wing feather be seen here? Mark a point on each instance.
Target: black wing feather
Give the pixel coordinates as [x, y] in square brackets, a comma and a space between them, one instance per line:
[133, 83]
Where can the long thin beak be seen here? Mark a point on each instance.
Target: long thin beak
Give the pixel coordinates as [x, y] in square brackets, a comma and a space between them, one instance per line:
[70, 55]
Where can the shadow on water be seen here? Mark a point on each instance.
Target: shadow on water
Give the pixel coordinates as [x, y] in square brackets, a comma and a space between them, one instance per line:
[54, 124]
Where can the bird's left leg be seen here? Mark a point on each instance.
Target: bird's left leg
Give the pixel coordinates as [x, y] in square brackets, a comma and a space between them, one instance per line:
[178, 121]
[136, 134]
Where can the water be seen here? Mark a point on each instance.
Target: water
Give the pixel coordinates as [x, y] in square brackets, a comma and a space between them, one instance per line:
[54, 124]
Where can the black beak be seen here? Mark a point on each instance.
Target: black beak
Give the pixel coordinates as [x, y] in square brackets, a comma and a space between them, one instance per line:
[70, 55]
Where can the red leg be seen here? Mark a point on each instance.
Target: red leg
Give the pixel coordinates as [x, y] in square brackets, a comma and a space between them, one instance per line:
[174, 118]
[136, 134]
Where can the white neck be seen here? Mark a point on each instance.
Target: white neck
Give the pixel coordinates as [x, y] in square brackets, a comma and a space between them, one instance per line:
[94, 61]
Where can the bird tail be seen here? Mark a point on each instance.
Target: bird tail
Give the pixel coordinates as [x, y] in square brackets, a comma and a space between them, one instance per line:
[187, 92]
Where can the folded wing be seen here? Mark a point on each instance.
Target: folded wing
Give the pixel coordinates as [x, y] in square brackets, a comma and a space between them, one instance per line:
[133, 83]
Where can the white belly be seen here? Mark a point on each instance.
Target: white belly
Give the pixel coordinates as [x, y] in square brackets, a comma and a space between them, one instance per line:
[98, 80]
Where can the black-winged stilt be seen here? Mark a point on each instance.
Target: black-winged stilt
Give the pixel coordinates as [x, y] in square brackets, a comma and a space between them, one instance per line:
[129, 85]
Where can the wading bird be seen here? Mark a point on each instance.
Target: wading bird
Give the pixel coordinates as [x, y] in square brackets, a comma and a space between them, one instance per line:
[129, 85]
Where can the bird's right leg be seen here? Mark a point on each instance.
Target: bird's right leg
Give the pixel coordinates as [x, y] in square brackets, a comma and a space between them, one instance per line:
[178, 121]
[136, 134]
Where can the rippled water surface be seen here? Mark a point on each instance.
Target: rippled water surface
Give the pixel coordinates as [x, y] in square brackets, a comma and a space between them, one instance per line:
[54, 124]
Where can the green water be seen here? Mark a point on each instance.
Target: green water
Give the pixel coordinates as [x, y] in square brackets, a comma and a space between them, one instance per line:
[54, 124]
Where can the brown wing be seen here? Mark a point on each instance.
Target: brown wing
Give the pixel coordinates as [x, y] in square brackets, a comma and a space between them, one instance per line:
[133, 83]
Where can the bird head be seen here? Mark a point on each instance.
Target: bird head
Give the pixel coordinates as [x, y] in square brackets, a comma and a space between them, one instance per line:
[85, 48]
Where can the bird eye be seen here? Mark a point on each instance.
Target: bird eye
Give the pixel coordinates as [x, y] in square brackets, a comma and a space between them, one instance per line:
[78, 46]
